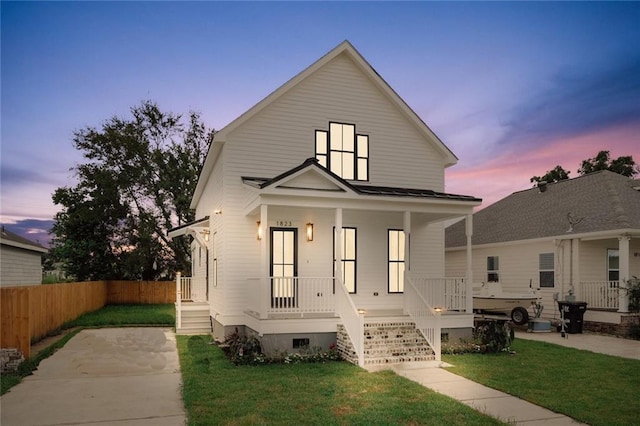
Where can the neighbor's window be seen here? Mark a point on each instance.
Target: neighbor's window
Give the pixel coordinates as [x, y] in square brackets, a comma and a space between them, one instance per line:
[613, 265]
[343, 151]
[396, 261]
[348, 244]
[493, 271]
[547, 273]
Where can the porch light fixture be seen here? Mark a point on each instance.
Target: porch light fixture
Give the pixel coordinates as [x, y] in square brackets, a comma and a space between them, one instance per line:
[259, 230]
[362, 311]
[205, 235]
[309, 231]
[438, 310]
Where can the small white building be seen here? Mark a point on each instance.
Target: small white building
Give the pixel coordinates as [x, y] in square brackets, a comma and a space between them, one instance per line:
[579, 236]
[320, 220]
[20, 260]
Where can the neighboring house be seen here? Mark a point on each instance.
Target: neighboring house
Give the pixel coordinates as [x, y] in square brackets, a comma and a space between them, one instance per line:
[320, 220]
[20, 260]
[579, 236]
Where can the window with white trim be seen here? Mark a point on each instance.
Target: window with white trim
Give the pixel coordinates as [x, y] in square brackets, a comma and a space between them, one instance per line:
[395, 261]
[343, 151]
[493, 271]
[547, 269]
[613, 265]
[349, 258]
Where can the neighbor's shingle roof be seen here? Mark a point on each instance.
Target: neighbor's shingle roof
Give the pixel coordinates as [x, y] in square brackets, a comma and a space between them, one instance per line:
[603, 200]
[12, 239]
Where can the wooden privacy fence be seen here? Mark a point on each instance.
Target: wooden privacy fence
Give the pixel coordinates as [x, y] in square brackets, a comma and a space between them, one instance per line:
[27, 314]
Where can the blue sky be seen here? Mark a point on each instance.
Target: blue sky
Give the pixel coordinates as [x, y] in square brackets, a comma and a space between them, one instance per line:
[512, 88]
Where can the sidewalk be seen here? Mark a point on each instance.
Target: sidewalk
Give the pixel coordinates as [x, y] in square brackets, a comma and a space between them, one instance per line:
[615, 346]
[504, 406]
[494, 403]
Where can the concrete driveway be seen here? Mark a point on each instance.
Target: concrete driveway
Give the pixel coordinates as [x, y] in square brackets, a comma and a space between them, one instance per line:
[110, 376]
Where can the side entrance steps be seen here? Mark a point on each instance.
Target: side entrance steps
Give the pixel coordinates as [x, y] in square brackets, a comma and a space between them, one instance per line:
[387, 343]
[195, 319]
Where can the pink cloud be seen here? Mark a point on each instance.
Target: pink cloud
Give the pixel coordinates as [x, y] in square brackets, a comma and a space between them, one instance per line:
[510, 172]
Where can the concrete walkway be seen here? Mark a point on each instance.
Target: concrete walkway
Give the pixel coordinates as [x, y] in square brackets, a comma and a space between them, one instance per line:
[615, 346]
[489, 401]
[114, 376]
[504, 406]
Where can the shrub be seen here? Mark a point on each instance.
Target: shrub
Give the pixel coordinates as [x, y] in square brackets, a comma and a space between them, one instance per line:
[496, 335]
[633, 289]
[243, 349]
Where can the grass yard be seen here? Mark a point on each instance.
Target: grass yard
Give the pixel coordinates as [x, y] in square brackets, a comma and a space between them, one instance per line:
[335, 393]
[121, 315]
[592, 388]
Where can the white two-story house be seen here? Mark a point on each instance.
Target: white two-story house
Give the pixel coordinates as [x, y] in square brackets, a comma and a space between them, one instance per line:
[320, 221]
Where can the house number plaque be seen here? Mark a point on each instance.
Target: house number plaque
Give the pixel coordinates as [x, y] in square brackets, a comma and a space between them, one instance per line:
[284, 223]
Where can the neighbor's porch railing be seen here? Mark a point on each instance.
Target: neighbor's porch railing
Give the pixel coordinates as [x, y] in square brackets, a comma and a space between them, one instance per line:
[447, 293]
[424, 314]
[600, 294]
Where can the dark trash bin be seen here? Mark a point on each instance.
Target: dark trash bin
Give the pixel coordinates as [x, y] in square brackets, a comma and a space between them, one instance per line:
[573, 315]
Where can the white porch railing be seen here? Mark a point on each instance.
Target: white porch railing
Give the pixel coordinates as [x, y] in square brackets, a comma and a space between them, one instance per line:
[600, 294]
[191, 289]
[424, 314]
[185, 288]
[352, 320]
[301, 295]
[447, 293]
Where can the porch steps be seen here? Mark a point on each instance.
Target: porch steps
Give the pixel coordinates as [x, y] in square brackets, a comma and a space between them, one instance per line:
[394, 342]
[387, 343]
[195, 319]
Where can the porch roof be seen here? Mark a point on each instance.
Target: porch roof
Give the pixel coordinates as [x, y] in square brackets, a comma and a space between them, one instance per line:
[184, 229]
[262, 183]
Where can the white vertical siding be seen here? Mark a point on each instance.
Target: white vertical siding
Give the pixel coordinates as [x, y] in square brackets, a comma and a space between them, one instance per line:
[19, 267]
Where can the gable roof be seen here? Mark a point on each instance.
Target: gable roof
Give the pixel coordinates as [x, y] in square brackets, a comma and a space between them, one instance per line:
[596, 202]
[342, 185]
[12, 239]
[344, 48]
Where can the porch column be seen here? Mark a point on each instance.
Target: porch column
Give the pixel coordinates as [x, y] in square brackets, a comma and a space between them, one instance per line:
[338, 243]
[407, 242]
[469, 273]
[623, 252]
[265, 282]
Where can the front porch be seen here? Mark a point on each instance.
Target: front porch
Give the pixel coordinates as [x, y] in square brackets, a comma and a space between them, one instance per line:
[316, 305]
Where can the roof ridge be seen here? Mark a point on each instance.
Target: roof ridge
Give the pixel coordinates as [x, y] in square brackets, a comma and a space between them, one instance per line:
[618, 212]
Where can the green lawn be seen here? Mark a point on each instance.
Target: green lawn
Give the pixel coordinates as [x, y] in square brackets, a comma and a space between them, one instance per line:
[592, 388]
[334, 393]
[120, 315]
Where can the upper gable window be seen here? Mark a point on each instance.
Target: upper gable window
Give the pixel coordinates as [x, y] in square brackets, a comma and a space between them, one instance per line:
[343, 151]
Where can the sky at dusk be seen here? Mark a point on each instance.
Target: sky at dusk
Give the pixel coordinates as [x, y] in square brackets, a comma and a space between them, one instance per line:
[513, 89]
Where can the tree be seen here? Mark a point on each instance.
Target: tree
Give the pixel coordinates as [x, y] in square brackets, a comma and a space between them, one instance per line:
[136, 184]
[554, 175]
[624, 165]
